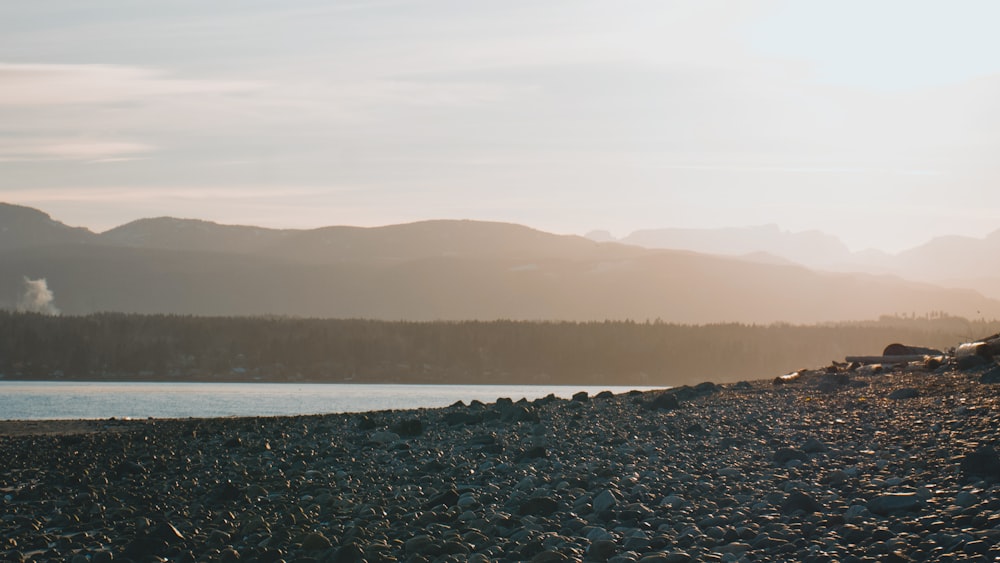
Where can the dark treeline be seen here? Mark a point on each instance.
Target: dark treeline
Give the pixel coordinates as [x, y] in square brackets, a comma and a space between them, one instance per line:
[112, 346]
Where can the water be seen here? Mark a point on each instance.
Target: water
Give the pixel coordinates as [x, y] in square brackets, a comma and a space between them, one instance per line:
[39, 400]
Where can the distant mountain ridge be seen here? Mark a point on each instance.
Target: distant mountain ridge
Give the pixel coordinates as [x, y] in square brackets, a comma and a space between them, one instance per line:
[24, 226]
[952, 261]
[809, 248]
[430, 270]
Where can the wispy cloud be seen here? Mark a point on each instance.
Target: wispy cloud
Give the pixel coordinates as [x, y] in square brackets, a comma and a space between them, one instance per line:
[59, 84]
[94, 150]
[155, 193]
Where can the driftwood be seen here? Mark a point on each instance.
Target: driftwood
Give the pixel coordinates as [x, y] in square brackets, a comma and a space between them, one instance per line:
[788, 378]
[886, 359]
[986, 349]
[897, 349]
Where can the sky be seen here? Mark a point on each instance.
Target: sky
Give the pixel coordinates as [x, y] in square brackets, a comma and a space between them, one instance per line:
[875, 121]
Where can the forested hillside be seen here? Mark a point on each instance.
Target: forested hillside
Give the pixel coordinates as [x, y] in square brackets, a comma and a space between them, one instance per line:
[159, 347]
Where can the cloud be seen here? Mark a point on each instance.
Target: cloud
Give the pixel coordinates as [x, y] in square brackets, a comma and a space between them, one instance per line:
[60, 84]
[94, 150]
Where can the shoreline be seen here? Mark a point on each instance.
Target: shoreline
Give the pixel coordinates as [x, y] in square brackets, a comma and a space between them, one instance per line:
[847, 466]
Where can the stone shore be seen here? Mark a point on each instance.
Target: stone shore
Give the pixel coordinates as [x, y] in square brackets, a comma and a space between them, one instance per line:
[832, 465]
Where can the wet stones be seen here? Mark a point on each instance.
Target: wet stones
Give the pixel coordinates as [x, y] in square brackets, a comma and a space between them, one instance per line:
[904, 393]
[408, 428]
[984, 463]
[538, 506]
[447, 499]
[799, 501]
[664, 402]
[784, 455]
[990, 376]
[887, 504]
[605, 500]
[758, 473]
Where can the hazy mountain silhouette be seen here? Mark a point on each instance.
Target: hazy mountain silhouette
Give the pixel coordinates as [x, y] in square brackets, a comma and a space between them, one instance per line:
[955, 261]
[167, 233]
[810, 248]
[428, 271]
[951, 261]
[24, 227]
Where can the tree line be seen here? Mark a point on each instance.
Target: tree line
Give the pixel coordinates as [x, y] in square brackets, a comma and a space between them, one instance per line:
[114, 346]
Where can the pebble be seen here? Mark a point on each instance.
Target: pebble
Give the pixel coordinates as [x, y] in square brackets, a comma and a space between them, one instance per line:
[754, 472]
[896, 502]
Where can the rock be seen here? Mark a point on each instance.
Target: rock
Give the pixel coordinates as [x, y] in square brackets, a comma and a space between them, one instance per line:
[167, 532]
[601, 550]
[673, 501]
[581, 397]
[706, 388]
[983, 463]
[462, 417]
[548, 556]
[534, 452]
[800, 501]
[966, 499]
[421, 545]
[447, 498]
[835, 478]
[538, 506]
[663, 402]
[605, 500]
[349, 553]
[887, 504]
[783, 455]
[384, 437]
[991, 375]
[597, 533]
[519, 413]
[315, 541]
[813, 446]
[409, 428]
[966, 363]
[904, 393]
[366, 422]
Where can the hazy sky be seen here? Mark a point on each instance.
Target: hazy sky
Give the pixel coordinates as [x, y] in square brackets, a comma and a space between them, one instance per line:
[877, 121]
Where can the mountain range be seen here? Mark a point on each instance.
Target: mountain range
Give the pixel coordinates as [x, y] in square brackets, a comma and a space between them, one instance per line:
[951, 261]
[442, 270]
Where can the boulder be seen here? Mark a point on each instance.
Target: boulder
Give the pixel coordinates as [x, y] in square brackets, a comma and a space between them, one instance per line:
[904, 393]
[664, 402]
[885, 505]
[784, 455]
[538, 506]
[990, 376]
[408, 428]
[982, 463]
[799, 500]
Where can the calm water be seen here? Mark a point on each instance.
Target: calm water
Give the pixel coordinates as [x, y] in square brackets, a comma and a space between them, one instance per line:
[35, 400]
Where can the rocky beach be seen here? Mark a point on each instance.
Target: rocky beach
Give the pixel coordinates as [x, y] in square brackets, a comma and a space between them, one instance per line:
[847, 463]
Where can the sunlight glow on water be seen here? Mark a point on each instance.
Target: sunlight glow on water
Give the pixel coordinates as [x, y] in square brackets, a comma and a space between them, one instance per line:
[39, 400]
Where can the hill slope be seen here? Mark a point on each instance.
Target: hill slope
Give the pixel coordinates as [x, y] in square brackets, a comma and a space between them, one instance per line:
[438, 270]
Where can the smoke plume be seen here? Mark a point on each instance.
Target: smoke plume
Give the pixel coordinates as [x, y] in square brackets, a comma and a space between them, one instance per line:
[37, 298]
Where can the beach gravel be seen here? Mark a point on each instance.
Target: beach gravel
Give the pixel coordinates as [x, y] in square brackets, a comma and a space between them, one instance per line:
[897, 465]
